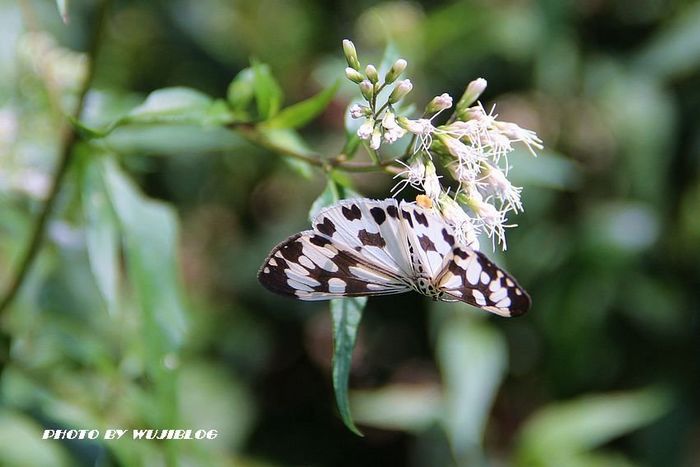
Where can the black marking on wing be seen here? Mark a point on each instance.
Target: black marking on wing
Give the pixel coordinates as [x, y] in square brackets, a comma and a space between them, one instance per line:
[426, 244]
[420, 218]
[392, 211]
[351, 213]
[407, 215]
[378, 215]
[327, 227]
[447, 237]
[371, 239]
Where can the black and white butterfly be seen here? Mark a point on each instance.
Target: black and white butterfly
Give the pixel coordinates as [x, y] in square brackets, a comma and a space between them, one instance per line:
[361, 247]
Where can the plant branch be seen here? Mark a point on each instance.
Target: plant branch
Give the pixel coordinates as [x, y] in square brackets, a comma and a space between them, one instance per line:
[69, 137]
[252, 135]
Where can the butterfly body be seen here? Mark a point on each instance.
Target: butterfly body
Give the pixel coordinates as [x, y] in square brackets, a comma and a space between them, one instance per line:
[363, 247]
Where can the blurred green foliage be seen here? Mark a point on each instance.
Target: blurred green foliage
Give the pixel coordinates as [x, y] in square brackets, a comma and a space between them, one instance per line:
[142, 309]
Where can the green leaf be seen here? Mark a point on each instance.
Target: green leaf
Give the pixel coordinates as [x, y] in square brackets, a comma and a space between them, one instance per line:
[268, 93]
[21, 443]
[101, 230]
[566, 430]
[179, 105]
[241, 91]
[473, 359]
[303, 112]
[329, 196]
[413, 407]
[150, 232]
[346, 314]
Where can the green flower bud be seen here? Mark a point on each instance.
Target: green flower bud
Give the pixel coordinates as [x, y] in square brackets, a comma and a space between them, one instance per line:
[471, 94]
[401, 89]
[396, 69]
[372, 74]
[367, 89]
[354, 75]
[351, 54]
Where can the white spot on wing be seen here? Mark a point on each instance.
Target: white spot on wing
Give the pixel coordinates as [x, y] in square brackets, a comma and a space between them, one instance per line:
[479, 297]
[306, 262]
[336, 285]
[473, 271]
[296, 285]
[498, 295]
[505, 303]
[485, 278]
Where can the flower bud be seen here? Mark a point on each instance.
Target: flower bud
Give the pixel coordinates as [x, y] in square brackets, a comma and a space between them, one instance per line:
[400, 91]
[471, 94]
[396, 69]
[439, 103]
[376, 139]
[372, 74]
[359, 111]
[422, 126]
[351, 54]
[367, 89]
[354, 75]
[431, 185]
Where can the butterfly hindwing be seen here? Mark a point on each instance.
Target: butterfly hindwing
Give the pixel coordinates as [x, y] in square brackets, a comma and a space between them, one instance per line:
[471, 277]
[431, 239]
[309, 266]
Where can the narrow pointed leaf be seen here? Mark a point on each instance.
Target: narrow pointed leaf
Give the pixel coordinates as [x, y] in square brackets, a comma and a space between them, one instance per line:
[346, 313]
[303, 112]
[101, 231]
[268, 94]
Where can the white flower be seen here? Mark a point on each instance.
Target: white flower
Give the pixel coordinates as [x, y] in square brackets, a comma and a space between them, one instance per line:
[496, 182]
[392, 131]
[413, 175]
[517, 134]
[463, 225]
[467, 158]
[366, 129]
[488, 217]
[422, 128]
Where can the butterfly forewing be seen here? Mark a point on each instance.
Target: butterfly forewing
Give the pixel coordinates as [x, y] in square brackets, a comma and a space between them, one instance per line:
[471, 277]
[310, 266]
[370, 228]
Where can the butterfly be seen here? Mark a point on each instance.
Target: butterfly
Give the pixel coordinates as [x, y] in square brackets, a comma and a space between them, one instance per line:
[363, 247]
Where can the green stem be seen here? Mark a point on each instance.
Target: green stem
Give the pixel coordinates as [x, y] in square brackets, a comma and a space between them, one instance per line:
[252, 135]
[69, 137]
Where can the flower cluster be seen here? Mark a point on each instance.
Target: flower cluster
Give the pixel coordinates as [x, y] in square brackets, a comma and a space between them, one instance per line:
[472, 147]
